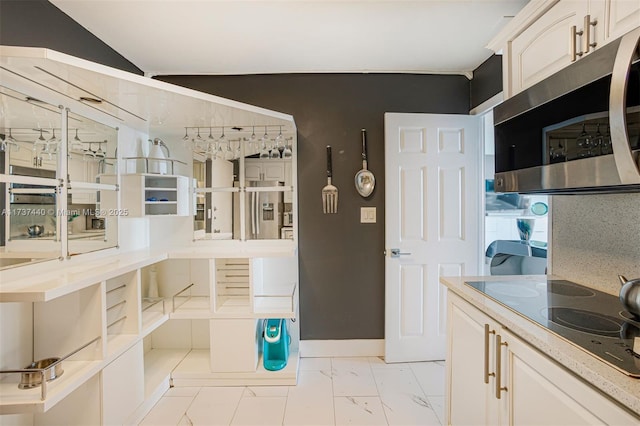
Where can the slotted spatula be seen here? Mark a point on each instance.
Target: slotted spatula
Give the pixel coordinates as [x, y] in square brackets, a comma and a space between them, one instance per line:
[329, 192]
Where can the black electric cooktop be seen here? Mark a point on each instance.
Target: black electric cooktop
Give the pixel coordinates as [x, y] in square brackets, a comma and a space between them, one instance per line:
[591, 319]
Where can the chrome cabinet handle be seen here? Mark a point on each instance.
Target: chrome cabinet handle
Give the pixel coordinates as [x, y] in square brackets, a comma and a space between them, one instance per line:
[499, 345]
[588, 23]
[574, 43]
[487, 332]
[625, 163]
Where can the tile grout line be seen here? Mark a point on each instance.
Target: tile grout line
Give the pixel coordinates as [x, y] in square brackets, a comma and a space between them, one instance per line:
[386, 419]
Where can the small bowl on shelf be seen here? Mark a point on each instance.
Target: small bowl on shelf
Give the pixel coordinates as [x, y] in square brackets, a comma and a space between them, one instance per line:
[33, 378]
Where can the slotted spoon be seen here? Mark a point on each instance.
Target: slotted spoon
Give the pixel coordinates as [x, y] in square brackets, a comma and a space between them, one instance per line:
[329, 192]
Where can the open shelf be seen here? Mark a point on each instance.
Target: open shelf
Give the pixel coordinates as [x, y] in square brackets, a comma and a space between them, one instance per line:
[15, 400]
[158, 365]
[196, 307]
[277, 302]
[194, 370]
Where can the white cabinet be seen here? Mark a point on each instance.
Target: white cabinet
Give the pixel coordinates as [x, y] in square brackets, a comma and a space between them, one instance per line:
[620, 17]
[267, 170]
[493, 377]
[549, 43]
[470, 367]
[152, 195]
[270, 170]
[26, 157]
[82, 171]
[123, 386]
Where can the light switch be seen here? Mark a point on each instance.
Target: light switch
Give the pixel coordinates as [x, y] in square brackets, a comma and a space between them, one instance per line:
[367, 215]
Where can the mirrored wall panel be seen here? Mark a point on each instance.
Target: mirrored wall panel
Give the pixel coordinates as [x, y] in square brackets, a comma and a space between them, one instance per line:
[29, 155]
[92, 213]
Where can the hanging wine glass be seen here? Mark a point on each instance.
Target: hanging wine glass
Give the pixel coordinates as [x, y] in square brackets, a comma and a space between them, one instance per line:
[185, 138]
[76, 142]
[287, 153]
[228, 154]
[100, 153]
[40, 143]
[598, 139]
[264, 151]
[584, 139]
[52, 144]
[11, 141]
[253, 140]
[279, 143]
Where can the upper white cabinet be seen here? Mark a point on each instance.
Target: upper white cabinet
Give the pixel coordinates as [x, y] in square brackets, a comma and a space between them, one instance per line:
[548, 45]
[266, 170]
[546, 36]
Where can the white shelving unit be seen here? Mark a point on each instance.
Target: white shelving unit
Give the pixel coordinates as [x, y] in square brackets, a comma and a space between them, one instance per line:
[153, 195]
[136, 342]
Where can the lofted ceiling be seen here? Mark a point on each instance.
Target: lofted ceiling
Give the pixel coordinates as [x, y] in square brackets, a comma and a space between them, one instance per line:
[163, 37]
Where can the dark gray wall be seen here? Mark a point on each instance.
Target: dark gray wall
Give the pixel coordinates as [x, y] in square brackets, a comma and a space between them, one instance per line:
[38, 23]
[487, 81]
[341, 260]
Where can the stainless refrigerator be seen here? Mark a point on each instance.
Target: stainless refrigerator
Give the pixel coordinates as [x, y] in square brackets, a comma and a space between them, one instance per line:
[263, 212]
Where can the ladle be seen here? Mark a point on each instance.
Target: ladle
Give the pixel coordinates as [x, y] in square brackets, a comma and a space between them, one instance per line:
[365, 180]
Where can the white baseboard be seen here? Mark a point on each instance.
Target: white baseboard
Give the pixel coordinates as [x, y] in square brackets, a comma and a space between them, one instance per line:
[331, 348]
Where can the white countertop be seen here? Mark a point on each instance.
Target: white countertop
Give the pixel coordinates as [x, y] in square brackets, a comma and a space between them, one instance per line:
[622, 388]
[48, 280]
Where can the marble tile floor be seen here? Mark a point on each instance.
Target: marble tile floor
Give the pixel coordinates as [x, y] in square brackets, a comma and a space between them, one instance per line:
[330, 391]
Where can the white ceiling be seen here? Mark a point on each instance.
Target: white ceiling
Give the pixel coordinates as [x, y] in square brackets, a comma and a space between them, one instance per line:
[255, 37]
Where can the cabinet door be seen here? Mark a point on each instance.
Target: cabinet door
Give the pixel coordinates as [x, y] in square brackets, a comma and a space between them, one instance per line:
[621, 16]
[470, 401]
[123, 386]
[273, 170]
[545, 47]
[252, 170]
[534, 381]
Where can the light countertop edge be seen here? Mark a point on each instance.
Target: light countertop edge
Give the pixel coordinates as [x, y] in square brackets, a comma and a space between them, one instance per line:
[616, 385]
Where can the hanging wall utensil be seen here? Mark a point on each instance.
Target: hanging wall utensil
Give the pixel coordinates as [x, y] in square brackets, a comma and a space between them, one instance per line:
[365, 180]
[329, 192]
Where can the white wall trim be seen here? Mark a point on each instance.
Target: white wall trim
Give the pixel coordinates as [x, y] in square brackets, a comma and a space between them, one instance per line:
[352, 347]
[487, 105]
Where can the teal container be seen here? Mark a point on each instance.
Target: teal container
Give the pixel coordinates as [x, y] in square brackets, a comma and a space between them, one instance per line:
[276, 341]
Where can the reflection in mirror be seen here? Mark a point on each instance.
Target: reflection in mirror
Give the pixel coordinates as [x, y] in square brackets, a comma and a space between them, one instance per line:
[29, 146]
[92, 215]
[265, 211]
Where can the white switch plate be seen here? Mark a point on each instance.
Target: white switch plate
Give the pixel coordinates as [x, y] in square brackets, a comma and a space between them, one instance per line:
[367, 215]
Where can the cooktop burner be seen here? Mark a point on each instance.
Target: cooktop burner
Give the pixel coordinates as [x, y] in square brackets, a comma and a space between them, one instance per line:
[567, 288]
[585, 321]
[589, 318]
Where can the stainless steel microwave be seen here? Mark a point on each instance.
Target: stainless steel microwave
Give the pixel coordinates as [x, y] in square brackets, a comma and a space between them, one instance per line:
[578, 131]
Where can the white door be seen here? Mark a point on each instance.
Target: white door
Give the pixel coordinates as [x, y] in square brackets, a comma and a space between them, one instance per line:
[432, 210]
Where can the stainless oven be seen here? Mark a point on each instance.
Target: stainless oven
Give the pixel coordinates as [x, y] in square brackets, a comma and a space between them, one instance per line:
[576, 131]
[20, 193]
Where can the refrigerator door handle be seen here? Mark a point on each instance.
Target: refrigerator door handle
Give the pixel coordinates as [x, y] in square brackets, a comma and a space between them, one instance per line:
[258, 211]
[252, 214]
